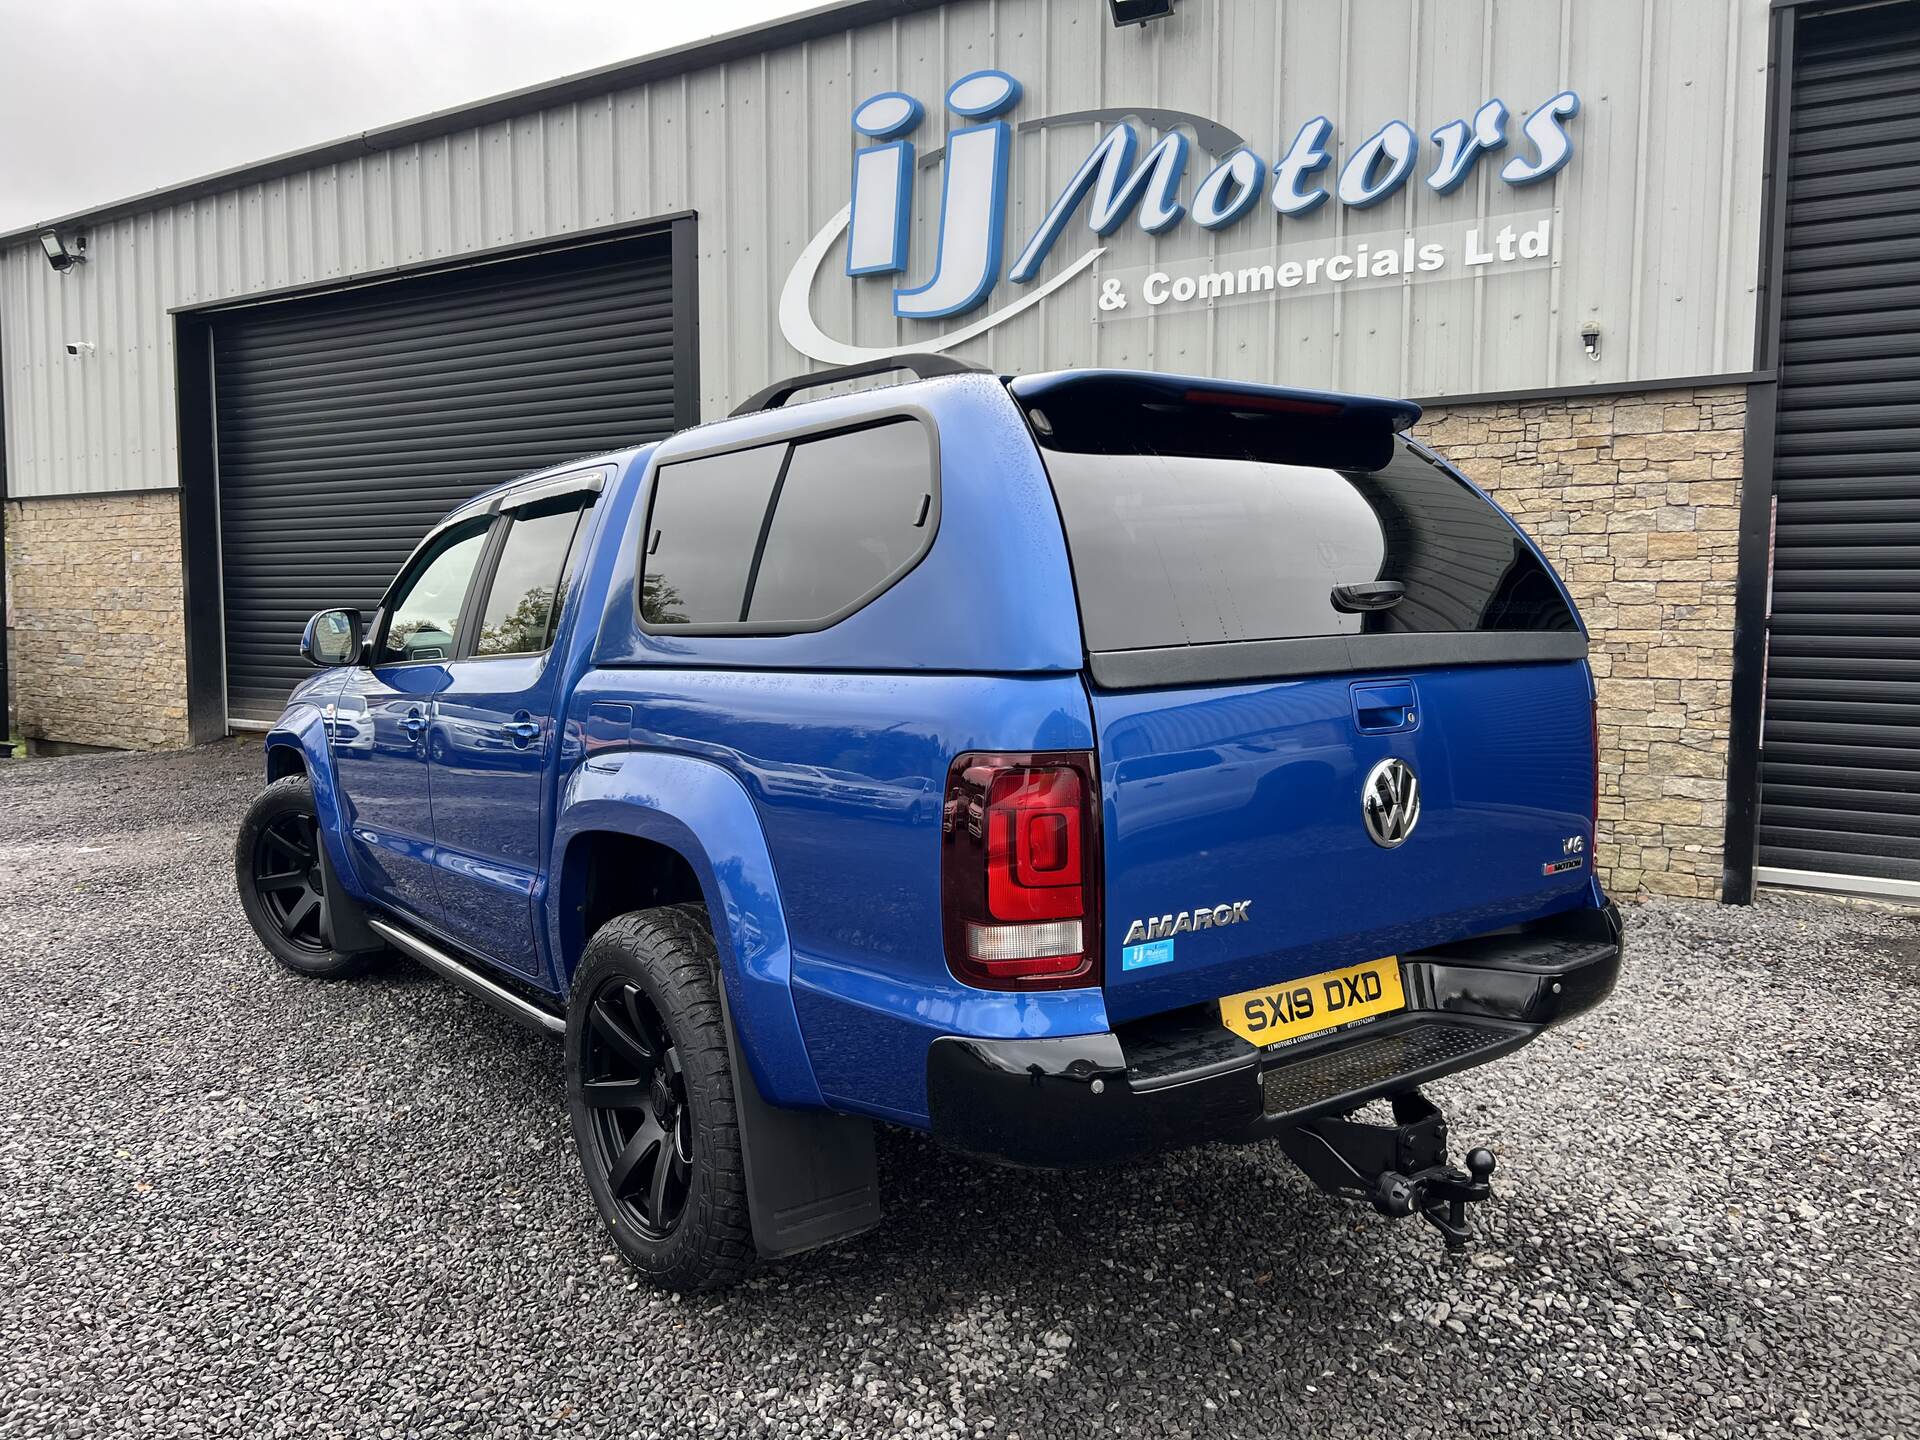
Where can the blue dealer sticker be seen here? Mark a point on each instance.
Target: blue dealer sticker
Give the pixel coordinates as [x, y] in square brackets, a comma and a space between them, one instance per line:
[1154, 952]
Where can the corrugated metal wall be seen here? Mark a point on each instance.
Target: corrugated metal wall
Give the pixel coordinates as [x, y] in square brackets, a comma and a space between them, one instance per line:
[1659, 208]
[1840, 767]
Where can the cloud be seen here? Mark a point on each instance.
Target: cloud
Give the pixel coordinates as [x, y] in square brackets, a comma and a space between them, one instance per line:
[110, 98]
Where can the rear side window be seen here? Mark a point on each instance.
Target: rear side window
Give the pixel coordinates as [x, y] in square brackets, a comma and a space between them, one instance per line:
[702, 533]
[788, 537]
[853, 511]
[1178, 550]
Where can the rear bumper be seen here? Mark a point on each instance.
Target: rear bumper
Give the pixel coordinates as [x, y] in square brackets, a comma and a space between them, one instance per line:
[1184, 1079]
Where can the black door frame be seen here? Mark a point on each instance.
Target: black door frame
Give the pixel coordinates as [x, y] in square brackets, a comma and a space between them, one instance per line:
[196, 408]
[1753, 585]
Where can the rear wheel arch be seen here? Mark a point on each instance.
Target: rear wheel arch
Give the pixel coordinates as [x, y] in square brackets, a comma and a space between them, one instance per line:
[605, 873]
[651, 1099]
[687, 831]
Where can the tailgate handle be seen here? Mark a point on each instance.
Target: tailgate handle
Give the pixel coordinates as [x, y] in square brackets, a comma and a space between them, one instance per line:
[1383, 709]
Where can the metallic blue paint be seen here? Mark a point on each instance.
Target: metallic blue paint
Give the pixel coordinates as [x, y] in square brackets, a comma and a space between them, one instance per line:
[800, 777]
[492, 803]
[992, 596]
[303, 727]
[381, 718]
[846, 774]
[1217, 794]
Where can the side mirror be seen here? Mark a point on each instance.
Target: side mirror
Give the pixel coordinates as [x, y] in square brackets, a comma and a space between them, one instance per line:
[332, 638]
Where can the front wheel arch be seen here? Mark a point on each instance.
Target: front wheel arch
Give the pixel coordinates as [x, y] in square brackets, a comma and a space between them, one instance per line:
[284, 760]
[278, 868]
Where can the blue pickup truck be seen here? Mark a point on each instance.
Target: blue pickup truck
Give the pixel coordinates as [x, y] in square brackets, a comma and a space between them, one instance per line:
[1071, 766]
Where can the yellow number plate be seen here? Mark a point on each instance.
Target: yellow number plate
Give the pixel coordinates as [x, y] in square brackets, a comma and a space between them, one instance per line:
[1315, 1002]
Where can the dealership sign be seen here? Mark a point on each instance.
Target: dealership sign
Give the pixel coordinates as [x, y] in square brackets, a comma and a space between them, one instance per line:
[1120, 180]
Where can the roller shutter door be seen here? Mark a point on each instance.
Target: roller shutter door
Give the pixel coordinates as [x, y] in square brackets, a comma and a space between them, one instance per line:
[348, 423]
[1840, 764]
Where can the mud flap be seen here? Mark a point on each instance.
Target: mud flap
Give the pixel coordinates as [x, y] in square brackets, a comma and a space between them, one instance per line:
[812, 1178]
[347, 929]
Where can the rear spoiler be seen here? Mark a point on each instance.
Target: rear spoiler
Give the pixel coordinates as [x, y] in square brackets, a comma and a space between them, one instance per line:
[1119, 411]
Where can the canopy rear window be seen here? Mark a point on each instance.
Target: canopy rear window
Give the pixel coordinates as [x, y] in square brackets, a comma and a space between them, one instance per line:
[1289, 546]
[1193, 550]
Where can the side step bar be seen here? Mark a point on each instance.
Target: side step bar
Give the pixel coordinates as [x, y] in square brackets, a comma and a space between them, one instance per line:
[470, 980]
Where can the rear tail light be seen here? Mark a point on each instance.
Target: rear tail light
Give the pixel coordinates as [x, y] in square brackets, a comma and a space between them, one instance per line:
[1020, 871]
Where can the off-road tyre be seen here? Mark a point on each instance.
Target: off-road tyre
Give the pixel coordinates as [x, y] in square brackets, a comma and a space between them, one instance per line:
[276, 865]
[647, 1069]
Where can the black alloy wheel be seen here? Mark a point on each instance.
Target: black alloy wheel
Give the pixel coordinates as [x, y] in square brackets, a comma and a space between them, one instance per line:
[635, 1089]
[281, 874]
[289, 881]
[650, 1098]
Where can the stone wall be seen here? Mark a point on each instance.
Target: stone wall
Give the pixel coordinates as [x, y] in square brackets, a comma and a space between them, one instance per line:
[99, 653]
[1635, 500]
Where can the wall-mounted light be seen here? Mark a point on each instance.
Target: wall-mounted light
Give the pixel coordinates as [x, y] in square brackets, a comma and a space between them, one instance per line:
[1590, 339]
[63, 251]
[1138, 12]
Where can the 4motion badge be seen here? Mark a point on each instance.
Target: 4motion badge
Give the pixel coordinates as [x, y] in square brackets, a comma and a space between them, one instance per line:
[1573, 854]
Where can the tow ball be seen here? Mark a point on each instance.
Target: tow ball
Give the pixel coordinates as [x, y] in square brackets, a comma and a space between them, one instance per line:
[1400, 1169]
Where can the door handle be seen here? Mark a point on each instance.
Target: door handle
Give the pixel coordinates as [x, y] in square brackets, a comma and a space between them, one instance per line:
[524, 730]
[1384, 709]
[414, 723]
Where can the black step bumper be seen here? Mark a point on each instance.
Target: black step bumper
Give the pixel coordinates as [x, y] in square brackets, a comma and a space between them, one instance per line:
[1184, 1079]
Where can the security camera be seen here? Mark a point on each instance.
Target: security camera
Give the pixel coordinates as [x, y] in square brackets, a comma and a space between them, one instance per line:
[1138, 12]
[79, 347]
[63, 252]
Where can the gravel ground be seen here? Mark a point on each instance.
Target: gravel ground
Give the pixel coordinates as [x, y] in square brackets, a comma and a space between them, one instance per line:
[234, 1202]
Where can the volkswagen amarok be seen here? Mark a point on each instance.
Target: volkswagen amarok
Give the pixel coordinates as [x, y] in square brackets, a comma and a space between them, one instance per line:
[1070, 766]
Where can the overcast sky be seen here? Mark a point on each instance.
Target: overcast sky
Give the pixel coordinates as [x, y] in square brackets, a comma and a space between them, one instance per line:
[101, 99]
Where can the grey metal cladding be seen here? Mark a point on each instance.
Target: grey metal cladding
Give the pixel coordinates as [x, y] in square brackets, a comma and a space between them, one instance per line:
[1658, 212]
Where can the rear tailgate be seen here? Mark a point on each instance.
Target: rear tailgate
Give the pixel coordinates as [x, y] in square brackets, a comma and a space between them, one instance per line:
[1280, 598]
[1220, 795]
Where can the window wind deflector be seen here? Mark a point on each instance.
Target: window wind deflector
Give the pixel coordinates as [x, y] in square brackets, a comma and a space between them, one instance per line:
[588, 482]
[1368, 595]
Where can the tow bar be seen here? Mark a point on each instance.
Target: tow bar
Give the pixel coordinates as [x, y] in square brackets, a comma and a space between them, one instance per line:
[1401, 1169]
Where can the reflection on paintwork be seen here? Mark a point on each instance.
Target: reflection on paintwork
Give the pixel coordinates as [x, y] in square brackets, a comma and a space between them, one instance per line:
[845, 774]
[382, 768]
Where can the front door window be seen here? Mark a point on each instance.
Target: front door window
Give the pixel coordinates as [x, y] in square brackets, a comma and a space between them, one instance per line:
[425, 612]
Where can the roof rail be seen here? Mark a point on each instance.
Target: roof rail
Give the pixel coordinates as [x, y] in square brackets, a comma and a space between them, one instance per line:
[921, 366]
